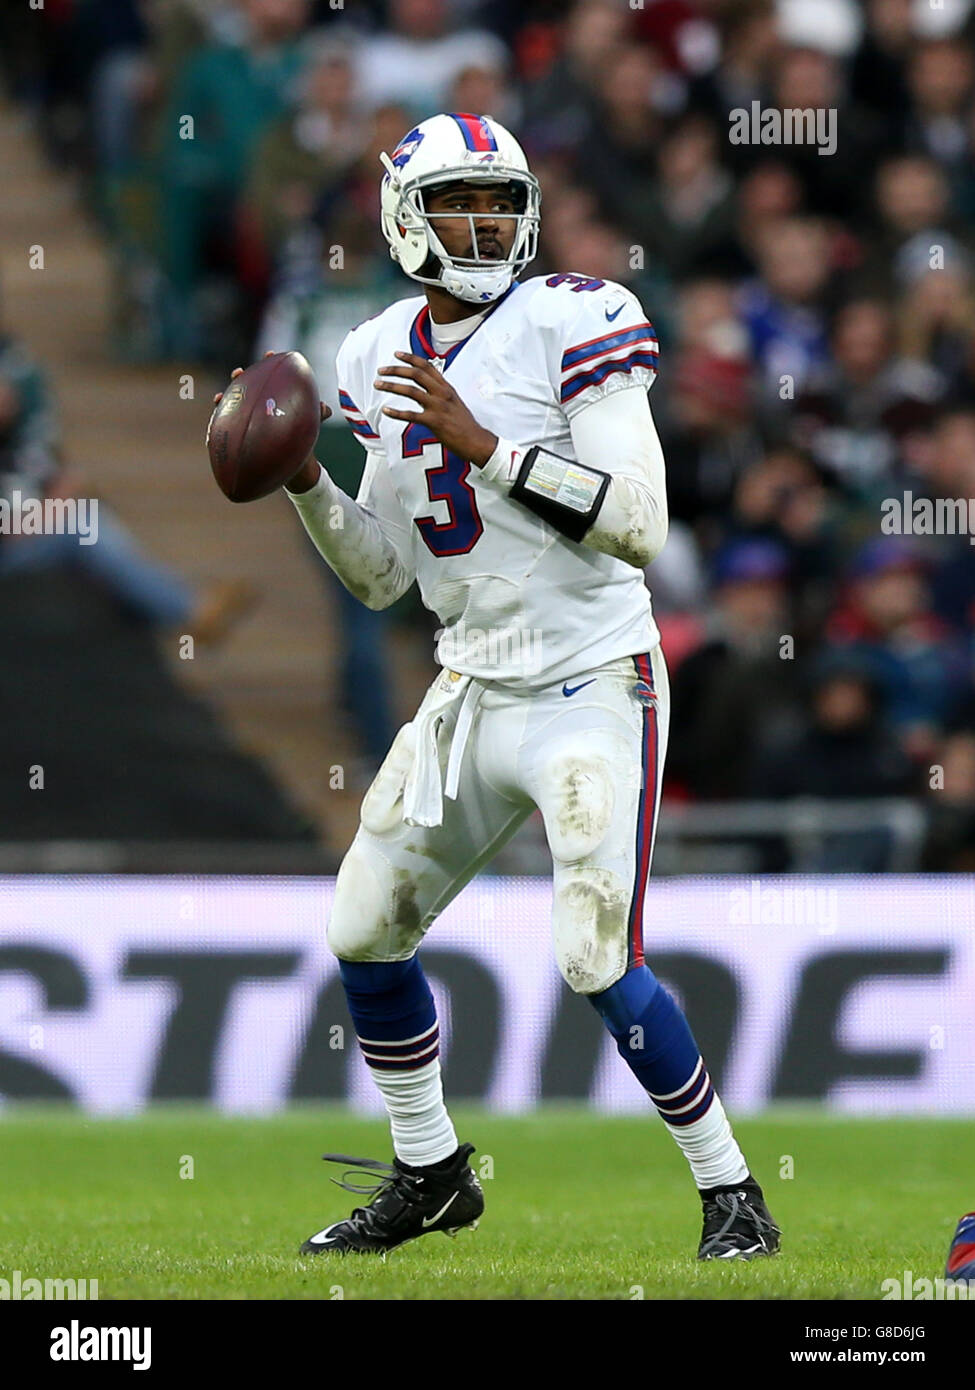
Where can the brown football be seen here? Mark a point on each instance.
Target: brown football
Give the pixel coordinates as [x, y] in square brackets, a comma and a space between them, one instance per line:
[264, 427]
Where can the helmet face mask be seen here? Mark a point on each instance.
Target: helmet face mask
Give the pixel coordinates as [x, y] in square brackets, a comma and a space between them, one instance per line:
[440, 152]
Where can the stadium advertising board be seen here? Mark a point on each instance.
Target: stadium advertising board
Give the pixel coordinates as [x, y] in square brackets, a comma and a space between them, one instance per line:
[856, 992]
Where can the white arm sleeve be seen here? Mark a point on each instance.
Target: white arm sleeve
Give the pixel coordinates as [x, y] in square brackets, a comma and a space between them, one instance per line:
[616, 435]
[367, 542]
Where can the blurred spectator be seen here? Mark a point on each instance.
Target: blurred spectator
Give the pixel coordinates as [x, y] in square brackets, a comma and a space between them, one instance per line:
[677, 577]
[826, 26]
[416, 61]
[482, 87]
[686, 37]
[181, 27]
[302, 158]
[855, 407]
[31, 469]
[781, 497]
[687, 217]
[877, 78]
[122, 80]
[940, 77]
[784, 309]
[951, 475]
[28, 423]
[143, 589]
[937, 318]
[708, 431]
[847, 750]
[949, 845]
[886, 618]
[720, 727]
[767, 195]
[748, 45]
[912, 204]
[617, 156]
[559, 104]
[708, 319]
[809, 80]
[231, 92]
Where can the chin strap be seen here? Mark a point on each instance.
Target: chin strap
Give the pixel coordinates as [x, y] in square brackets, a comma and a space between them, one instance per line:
[476, 287]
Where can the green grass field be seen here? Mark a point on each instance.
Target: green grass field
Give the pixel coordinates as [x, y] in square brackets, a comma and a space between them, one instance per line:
[579, 1207]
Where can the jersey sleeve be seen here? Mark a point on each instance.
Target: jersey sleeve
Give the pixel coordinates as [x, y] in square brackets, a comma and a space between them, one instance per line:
[601, 342]
[377, 496]
[356, 397]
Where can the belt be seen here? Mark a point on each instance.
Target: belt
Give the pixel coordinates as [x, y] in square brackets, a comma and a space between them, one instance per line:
[424, 791]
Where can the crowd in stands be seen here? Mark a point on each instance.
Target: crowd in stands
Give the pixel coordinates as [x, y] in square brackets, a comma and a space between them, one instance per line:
[816, 310]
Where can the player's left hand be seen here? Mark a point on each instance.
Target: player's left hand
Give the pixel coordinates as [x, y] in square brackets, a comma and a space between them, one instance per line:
[444, 413]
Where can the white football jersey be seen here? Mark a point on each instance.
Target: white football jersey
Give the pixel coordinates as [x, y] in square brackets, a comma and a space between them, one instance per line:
[518, 602]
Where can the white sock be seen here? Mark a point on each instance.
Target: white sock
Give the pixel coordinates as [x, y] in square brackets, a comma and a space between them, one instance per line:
[421, 1128]
[711, 1149]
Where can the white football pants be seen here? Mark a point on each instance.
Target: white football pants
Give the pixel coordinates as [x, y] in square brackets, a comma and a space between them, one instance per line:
[588, 753]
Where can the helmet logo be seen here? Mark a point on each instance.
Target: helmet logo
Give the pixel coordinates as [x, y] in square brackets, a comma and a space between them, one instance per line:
[487, 159]
[407, 147]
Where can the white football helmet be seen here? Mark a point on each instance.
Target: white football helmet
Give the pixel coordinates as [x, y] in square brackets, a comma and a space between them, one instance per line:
[447, 149]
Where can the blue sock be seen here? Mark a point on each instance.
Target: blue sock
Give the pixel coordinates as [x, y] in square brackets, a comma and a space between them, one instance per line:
[654, 1039]
[393, 1012]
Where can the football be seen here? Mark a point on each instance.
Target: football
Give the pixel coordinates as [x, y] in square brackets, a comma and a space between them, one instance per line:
[264, 427]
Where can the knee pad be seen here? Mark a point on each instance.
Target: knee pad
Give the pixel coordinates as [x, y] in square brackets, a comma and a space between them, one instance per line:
[578, 803]
[373, 918]
[590, 924]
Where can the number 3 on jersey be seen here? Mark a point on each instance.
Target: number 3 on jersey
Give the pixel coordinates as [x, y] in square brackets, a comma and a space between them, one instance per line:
[446, 482]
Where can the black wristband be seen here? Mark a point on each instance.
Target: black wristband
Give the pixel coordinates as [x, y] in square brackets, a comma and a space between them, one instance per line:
[565, 495]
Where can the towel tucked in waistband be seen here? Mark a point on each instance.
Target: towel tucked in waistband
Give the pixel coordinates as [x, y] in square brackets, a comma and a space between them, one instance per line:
[425, 789]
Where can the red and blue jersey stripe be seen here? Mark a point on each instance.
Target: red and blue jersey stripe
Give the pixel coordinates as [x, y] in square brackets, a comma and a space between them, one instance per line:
[637, 344]
[358, 422]
[647, 810]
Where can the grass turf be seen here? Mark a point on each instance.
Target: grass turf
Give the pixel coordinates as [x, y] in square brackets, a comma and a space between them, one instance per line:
[579, 1206]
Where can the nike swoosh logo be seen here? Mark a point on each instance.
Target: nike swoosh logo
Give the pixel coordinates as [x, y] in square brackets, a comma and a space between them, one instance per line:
[431, 1220]
[567, 692]
[611, 316]
[322, 1236]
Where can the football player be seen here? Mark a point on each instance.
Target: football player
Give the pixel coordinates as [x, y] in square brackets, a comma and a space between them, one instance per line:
[512, 470]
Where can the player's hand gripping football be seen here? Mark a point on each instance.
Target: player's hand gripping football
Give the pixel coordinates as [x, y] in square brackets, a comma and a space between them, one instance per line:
[309, 472]
[444, 413]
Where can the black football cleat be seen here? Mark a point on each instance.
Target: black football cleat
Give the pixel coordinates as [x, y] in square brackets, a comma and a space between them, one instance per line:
[738, 1225]
[406, 1203]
